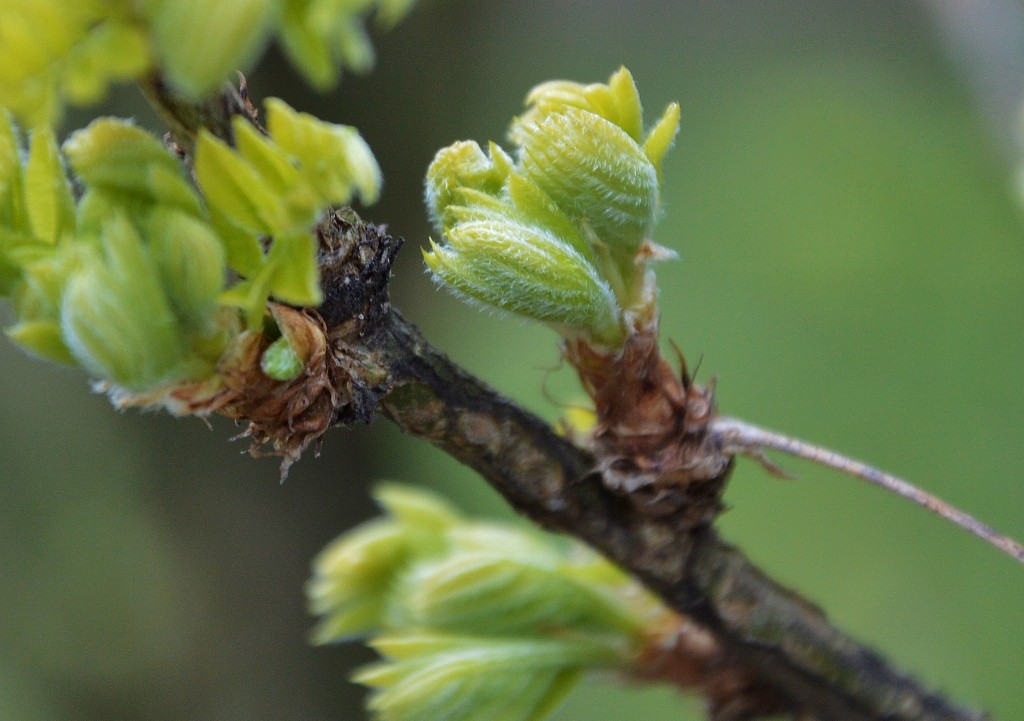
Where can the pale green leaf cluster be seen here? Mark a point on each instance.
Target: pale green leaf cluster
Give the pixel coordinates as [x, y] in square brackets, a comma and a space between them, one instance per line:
[129, 276]
[560, 231]
[54, 52]
[277, 186]
[473, 620]
[124, 279]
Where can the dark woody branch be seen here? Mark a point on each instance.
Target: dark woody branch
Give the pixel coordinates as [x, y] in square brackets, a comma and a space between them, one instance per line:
[753, 648]
[780, 649]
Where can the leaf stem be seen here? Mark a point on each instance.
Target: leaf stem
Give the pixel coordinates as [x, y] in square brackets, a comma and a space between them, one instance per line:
[742, 438]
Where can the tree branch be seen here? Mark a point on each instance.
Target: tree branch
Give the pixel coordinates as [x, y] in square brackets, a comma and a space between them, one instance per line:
[782, 643]
[777, 650]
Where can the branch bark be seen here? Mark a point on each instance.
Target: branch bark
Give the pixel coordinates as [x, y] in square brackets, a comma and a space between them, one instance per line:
[777, 650]
[780, 642]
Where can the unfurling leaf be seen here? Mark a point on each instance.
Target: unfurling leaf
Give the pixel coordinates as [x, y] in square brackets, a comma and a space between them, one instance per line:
[562, 233]
[475, 621]
[115, 316]
[524, 270]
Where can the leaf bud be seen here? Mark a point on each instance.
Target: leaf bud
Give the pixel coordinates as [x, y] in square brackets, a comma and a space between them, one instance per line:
[528, 271]
[595, 172]
[433, 676]
[129, 164]
[353, 574]
[460, 166]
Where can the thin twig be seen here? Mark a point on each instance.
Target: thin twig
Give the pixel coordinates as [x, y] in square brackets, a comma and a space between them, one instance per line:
[740, 437]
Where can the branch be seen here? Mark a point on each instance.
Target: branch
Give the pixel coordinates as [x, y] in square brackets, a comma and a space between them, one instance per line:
[780, 642]
[777, 651]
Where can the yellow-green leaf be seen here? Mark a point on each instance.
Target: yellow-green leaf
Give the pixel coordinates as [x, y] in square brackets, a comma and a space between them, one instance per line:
[51, 209]
[42, 337]
[199, 42]
[234, 187]
[192, 264]
[334, 159]
[296, 278]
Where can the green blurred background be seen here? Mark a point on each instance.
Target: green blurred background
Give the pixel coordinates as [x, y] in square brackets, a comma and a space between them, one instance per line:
[852, 271]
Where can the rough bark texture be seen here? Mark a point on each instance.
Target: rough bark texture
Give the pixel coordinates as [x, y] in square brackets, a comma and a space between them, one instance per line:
[790, 659]
[752, 647]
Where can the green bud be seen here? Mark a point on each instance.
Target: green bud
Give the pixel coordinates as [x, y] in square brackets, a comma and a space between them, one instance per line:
[355, 573]
[563, 233]
[584, 145]
[198, 43]
[493, 591]
[353, 577]
[595, 172]
[300, 341]
[476, 621]
[461, 166]
[280, 361]
[115, 317]
[618, 101]
[527, 271]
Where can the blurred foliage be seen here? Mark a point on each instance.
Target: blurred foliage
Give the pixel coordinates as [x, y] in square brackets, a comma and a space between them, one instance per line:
[852, 271]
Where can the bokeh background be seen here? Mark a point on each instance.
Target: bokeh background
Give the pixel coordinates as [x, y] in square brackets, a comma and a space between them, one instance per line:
[843, 199]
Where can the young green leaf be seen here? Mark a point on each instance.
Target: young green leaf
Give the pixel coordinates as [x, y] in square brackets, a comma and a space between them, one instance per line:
[192, 266]
[115, 316]
[476, 679]
[319, 36]
[527, 271]
[199, 43]
[51, 209]
[116, 156]
[234, 186]
[334, 159]
[475, 621]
